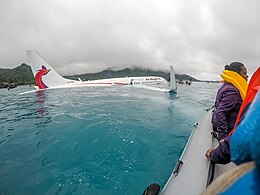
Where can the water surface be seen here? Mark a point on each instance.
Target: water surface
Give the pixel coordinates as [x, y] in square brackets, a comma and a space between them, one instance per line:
[114, 140]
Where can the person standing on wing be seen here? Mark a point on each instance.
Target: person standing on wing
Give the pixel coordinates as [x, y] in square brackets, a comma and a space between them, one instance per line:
[229, 98]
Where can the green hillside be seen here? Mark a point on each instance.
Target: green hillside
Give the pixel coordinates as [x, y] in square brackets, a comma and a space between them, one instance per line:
[22, 75]
[129, 72]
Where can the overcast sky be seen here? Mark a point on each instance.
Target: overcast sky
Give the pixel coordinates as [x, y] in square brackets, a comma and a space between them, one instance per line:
[197, 37]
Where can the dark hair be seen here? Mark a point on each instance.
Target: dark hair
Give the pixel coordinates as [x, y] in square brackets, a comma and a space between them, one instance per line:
[234, 66]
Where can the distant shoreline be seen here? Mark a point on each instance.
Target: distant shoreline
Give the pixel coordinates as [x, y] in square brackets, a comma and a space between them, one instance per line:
[22, 75]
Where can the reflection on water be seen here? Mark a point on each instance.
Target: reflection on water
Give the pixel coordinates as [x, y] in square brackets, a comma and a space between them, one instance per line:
[41, 97]
[42, 109]
[172, 95]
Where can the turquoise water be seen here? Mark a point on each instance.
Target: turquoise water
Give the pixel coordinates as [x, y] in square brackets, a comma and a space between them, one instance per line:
[114, 140]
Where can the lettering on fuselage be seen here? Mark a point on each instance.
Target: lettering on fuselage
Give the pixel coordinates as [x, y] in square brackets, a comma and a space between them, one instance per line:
[153, 79]
[68, 82]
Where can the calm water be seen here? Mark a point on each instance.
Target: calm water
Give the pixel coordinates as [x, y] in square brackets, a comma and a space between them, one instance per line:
[114, 140]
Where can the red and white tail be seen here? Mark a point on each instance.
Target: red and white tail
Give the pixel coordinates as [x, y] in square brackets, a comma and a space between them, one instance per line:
[45, 76]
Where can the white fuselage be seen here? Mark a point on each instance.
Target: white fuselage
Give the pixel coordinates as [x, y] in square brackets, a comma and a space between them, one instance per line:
[121, 81]
[47, 78]
[149, 80]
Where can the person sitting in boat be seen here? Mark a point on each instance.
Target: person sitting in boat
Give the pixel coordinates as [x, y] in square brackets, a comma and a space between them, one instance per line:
[229, 98]
[221, 154]
[244, 149]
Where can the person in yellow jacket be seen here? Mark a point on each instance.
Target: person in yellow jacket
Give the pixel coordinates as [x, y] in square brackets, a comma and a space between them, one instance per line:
[229, 98]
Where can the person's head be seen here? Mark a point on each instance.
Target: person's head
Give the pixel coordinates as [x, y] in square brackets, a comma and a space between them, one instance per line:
[239, 68]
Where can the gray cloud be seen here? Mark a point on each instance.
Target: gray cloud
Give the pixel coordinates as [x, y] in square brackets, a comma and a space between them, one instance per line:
[197, 37]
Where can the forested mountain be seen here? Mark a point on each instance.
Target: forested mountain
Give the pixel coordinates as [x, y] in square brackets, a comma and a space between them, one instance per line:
[129, 72]
[22, 75]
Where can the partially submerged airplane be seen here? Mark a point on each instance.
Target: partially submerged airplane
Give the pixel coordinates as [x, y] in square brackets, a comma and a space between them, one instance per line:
[47, 78]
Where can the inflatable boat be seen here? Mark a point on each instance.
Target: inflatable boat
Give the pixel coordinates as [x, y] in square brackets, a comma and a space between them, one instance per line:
[193, 172]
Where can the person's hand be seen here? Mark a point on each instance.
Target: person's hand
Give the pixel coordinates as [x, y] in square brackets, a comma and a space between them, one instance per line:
[208, 152]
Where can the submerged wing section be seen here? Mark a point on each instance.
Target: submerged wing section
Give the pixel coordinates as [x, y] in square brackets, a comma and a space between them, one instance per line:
[173, 86]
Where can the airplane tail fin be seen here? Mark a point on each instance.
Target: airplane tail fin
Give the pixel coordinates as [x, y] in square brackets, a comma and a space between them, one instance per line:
[45, 76]
[172, 80]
